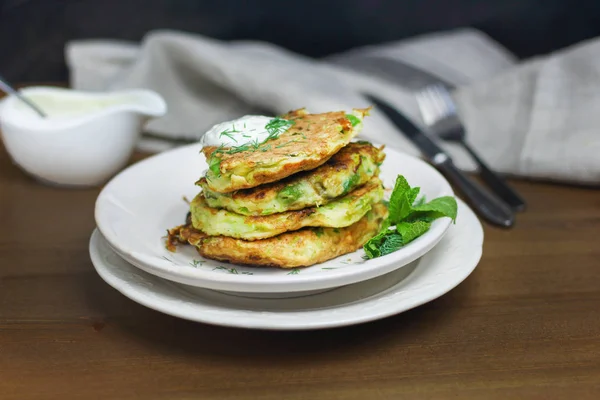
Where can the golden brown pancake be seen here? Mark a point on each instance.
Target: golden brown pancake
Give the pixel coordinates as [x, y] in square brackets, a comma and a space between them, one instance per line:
[307, 144]
[301, 248]
[349, 168]
[338, 213]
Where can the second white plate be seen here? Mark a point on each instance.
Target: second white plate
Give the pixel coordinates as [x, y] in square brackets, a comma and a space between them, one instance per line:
[135, 209]
[423, 280]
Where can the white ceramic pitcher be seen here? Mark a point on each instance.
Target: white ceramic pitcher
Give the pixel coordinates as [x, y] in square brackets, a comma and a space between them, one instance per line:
[87, 136]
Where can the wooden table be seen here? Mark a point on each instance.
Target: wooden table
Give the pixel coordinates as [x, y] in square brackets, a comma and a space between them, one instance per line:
[525, 324]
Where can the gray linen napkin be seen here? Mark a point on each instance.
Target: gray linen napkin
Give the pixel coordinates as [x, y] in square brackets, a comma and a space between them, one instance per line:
[536, 119]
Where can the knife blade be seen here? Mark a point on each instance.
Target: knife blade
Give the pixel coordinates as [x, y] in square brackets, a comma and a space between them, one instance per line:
[416, 79]
[487, 205]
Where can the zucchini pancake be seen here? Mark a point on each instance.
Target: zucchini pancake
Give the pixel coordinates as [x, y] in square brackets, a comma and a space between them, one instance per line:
[289, 191]
[337, 214]
[351, 167]
[296, 142]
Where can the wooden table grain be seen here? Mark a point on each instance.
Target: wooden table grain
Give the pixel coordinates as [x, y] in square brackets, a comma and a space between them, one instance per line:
[524, 325]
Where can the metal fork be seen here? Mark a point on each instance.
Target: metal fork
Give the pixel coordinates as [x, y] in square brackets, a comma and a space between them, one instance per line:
[439, 114]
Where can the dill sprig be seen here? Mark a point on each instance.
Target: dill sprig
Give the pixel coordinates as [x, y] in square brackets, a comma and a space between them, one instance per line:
[285, 144]
[229, 135]
[299, 133]
[232, 270]
[277, 126]
[229, 132]
[274, 128]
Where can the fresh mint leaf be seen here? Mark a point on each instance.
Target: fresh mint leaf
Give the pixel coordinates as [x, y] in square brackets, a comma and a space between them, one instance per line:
[411, 196]
[437, 208]
[391, 242]
[372, 246]
[420, 201]
[401, 204]
[397, 200]
[409, 217]
[409, 231]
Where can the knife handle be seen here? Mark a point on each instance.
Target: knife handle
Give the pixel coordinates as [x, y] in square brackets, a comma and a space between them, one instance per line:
[488, 206]
[496, 183]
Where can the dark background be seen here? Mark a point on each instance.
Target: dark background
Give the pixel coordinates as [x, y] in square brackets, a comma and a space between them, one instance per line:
[33, 32]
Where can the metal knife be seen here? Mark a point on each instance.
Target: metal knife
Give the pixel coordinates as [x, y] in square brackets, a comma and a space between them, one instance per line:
[416, 79]
[487, 205]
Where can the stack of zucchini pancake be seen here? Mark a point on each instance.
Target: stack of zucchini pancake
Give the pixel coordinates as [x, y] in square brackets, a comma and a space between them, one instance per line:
[287, 192]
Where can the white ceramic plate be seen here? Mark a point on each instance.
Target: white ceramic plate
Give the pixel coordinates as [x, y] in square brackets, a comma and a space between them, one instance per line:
[436, 273]
[136, 207]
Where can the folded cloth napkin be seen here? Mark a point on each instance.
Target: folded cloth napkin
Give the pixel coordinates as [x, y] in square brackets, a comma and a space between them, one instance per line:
[536, 119]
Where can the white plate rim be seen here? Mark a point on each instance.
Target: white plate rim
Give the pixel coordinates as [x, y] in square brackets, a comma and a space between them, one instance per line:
[242, 283]
[430, 283]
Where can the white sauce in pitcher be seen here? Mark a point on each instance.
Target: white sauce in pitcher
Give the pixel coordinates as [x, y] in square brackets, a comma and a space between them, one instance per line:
[57, 106]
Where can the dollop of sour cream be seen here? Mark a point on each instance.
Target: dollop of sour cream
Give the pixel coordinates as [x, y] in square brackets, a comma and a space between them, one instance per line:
[238, 132]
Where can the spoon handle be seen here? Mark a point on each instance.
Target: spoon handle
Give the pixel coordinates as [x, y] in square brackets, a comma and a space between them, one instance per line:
[5, 87]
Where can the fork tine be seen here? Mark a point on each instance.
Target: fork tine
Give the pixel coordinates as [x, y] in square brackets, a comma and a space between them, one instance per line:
[435, 103]
[428, 104]
[427, 112]
[445, 96]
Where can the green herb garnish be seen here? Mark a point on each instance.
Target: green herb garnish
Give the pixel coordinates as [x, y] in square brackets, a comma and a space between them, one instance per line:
[299, 133]
[285, 144]
[277, 126]
[232, 270]
[408, 218]
[229, 134]
[354, 120]
[234, 150]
